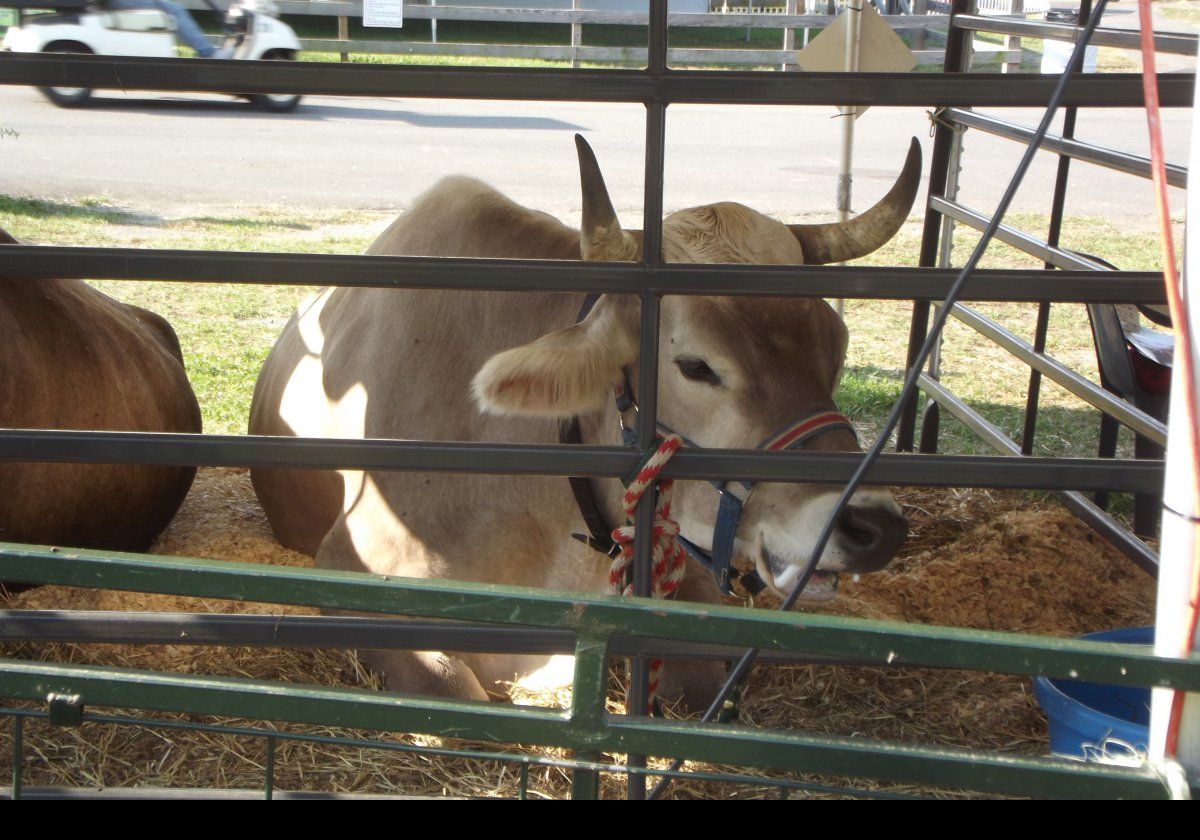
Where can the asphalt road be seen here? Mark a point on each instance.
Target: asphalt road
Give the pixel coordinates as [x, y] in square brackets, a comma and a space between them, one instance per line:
[168, 154]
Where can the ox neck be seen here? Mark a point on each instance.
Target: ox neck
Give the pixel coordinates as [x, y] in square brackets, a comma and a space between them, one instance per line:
[602, 428]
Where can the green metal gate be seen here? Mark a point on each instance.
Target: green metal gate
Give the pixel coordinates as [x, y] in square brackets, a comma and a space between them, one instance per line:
[591, 627]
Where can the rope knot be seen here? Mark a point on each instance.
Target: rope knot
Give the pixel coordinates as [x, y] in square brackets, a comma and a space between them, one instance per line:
[667, 556]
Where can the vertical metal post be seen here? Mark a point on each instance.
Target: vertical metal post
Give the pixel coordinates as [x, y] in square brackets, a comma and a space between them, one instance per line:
[1057, 206]
[939, 166]
[845, 180]
[523, 782]
[18, 754]
[931, 415]
[433, 22]
[588, 691]
[269, 770]
[647, 421]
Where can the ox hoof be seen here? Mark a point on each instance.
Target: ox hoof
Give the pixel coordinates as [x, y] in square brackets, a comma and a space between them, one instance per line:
[691, 686]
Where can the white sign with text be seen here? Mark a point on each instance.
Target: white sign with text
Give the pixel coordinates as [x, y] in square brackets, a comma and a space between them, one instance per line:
[383, 13]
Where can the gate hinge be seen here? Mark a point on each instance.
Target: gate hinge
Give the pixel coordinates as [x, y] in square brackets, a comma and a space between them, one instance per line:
[65, 709]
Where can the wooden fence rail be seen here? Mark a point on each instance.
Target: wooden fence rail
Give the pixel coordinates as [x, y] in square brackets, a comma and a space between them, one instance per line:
[576, 18]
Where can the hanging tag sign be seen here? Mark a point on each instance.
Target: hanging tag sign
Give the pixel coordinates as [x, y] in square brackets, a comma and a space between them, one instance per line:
[383, 13]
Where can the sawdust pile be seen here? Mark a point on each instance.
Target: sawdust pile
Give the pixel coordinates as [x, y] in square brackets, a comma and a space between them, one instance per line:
[975, 559]
[1033, 569]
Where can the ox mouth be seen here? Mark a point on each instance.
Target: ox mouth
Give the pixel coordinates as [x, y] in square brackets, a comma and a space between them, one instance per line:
[781, 577]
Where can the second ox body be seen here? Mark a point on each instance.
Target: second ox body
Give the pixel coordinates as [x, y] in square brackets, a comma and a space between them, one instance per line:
[506, 367]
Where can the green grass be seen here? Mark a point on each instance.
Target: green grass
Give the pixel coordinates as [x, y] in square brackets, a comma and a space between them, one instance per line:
[1189, 12]
[227, 330]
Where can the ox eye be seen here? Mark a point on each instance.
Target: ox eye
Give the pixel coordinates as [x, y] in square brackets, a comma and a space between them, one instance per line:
[697, 370]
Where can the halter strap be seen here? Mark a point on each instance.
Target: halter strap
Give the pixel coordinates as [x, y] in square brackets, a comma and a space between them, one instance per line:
[729, 509]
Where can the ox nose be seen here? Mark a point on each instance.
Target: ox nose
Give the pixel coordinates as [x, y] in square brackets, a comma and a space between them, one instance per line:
[870, 535]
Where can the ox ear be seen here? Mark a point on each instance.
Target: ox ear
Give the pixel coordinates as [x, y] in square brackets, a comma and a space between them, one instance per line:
[601, 238]
[7, 238]
[564, 373]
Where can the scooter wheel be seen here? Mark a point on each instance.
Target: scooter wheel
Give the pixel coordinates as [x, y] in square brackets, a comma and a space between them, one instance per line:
[274, 104]
[67, 97]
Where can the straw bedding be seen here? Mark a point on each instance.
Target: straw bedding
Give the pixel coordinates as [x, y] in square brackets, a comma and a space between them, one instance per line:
[975, 559]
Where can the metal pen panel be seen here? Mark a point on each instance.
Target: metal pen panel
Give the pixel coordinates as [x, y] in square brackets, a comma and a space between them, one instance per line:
[1107, 90]
[1080, 386]
[1100, 521]
[1021, 241]
[1177, 44]
[1087, 152]
[791, 466]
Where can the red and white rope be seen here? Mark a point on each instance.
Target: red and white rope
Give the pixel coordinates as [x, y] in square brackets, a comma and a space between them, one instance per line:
[668, 557]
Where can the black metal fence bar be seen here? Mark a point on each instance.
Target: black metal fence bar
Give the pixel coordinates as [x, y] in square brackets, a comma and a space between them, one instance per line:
[794, 466]
[958, 51]
[1056, 371]
[1123, 38]
[647, 417]
[1107, 90]
[1100, 521]
[865, 282]
[1098, 155]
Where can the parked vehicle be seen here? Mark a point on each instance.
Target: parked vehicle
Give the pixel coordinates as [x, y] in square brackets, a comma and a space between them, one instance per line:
[252, 32]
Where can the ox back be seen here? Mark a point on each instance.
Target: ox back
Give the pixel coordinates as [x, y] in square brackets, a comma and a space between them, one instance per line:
[73, 358]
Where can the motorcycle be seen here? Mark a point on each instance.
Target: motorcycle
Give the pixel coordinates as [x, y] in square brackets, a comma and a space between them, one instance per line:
[252, 32]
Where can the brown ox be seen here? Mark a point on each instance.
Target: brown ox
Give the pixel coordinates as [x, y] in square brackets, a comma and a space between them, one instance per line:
[419, 364]
[73, 358]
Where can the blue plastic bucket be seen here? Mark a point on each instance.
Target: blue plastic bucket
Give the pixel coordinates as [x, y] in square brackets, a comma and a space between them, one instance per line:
[1086, 714]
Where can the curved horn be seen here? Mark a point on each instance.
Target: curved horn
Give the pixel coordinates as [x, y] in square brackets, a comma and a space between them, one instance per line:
[600, 236]
[868, 231]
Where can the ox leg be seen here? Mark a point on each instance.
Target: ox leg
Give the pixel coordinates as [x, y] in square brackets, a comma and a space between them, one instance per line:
[425, 672]
[693, 683]
[417, 672]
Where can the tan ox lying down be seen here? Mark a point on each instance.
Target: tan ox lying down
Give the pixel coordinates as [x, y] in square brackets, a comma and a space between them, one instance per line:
[437, 365]
[73, 358]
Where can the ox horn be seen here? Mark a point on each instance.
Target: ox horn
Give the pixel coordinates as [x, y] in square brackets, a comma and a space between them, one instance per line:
[868, 231]
[601, 236]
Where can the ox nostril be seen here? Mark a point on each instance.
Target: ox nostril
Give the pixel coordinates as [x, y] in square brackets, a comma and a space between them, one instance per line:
[858, 530]
[871, 535]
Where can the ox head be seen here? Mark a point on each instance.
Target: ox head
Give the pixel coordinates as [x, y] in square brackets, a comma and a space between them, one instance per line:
[732, 371]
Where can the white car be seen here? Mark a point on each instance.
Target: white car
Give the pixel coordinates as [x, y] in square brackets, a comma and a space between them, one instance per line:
[252, 32]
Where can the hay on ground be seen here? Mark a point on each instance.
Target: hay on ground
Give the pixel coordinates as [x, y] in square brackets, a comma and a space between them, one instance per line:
[975, 559]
